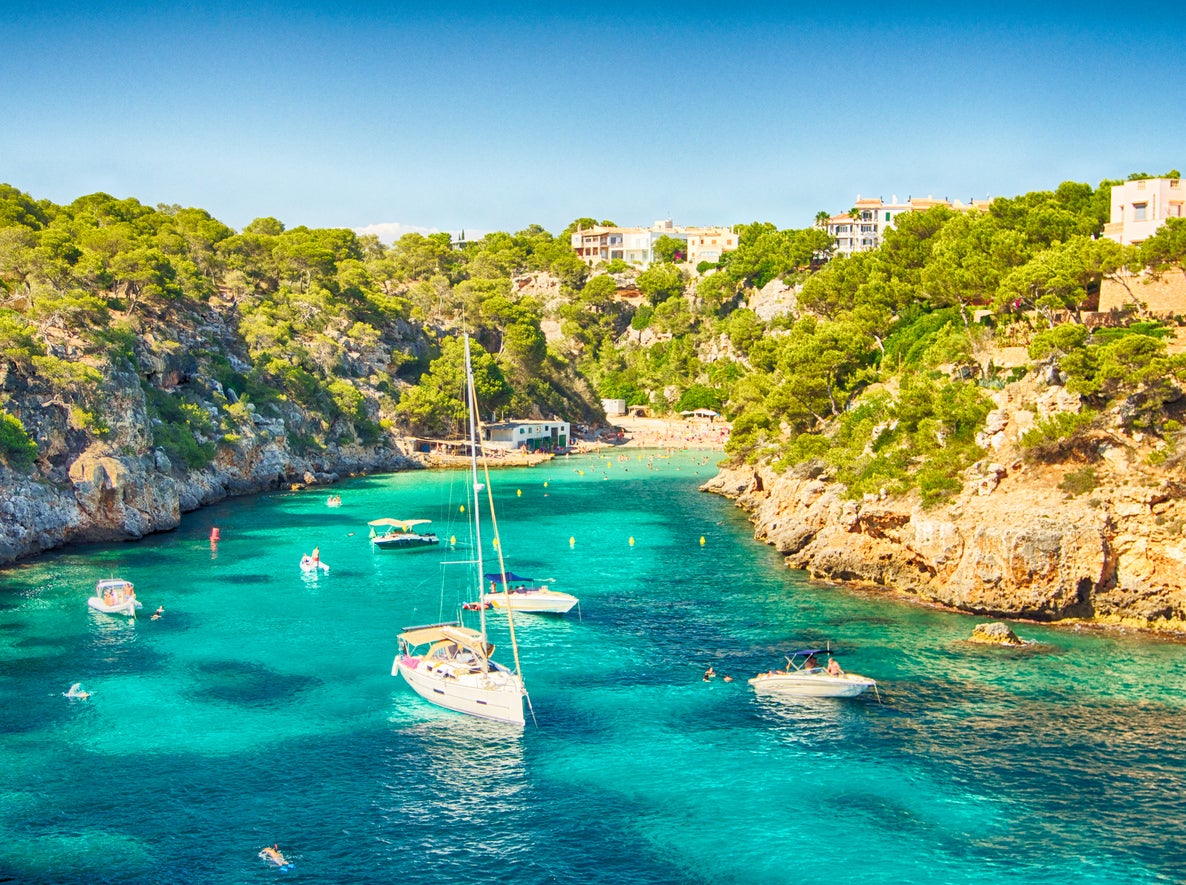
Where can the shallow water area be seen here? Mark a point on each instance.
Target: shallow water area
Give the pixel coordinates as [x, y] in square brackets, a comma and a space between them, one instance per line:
[260, 709]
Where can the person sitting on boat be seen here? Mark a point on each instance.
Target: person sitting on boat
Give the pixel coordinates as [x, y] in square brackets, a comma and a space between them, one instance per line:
[834, 668]
[811, 663]
[108, 597]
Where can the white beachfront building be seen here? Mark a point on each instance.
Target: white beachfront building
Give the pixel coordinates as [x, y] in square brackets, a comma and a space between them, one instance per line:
[533, 436]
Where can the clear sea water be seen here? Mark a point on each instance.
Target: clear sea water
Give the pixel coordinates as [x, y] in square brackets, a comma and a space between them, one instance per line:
[260, 709]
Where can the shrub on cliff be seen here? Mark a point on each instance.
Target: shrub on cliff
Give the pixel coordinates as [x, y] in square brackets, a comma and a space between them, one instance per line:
[17, 449]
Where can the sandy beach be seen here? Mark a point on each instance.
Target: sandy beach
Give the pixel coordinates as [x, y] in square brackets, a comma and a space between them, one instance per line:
[658, 433]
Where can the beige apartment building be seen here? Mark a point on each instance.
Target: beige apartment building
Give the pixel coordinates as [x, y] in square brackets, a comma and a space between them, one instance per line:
[636, 245]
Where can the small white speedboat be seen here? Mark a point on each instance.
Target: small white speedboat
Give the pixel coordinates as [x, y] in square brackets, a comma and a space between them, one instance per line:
[525, 595]
[115, 596]
[803, 678]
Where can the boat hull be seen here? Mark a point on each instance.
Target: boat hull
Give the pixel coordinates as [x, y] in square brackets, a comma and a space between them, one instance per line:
[812, 685]
[532, 601]
[496, 695]
[416, 542]
[127, 607]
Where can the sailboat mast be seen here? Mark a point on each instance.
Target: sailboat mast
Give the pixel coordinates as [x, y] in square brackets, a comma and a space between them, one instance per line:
[471, 411]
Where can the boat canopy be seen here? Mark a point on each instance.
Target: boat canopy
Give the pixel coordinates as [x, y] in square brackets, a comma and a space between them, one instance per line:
[463, 636]
[805, 652]
[402, 524]
[506, 578]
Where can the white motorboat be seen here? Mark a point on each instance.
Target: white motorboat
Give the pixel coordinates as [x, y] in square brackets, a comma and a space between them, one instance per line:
[402, 534]
[803, 677]
[448, 664]
[115, 596]
[526, 595]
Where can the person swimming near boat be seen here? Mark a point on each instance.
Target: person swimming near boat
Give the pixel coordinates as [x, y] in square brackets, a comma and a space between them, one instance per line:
[273, 854]
[156, 615]
[710, 673]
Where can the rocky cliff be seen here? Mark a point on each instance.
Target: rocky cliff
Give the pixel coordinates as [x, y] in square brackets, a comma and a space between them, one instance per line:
[99, 475]
[1019, 541]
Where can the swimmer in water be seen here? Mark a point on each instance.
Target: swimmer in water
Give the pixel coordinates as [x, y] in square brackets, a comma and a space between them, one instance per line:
[273, 854]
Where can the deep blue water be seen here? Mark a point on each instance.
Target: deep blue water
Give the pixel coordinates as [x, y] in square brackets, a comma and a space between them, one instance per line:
[260, 709]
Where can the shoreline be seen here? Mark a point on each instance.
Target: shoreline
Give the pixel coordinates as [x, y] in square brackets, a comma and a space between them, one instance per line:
[670, 433]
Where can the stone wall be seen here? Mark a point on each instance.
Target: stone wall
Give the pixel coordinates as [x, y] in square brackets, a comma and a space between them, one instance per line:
[1161, 296]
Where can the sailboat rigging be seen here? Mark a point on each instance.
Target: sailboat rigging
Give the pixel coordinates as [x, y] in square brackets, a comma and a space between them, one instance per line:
[449, 664]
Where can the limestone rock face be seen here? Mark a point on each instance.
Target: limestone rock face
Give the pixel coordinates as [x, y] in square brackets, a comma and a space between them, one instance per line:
[98, 475]
[119, 500]
[1023, 550]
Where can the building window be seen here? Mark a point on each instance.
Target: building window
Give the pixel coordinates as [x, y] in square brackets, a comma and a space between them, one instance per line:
[887, 216]
[1139, 211]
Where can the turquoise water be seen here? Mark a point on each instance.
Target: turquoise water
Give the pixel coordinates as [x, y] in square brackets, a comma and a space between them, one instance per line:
[260, 709]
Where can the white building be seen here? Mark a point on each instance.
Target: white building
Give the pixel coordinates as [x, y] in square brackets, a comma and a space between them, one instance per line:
[531, 435]
[1140, 207]
[863, 229]
[636, 245]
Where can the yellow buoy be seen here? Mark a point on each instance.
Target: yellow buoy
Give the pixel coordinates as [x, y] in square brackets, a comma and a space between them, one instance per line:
[452, 540]
[581, 472]
[518, 493]
[496, 543]
[462, 508]
[572, 542]
[632, 540]
[702, 540]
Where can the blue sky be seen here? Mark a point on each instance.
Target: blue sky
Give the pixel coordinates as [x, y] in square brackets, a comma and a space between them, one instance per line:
[496, 116]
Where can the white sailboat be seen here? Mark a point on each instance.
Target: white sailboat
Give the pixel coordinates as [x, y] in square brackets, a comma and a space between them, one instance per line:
[448, 664]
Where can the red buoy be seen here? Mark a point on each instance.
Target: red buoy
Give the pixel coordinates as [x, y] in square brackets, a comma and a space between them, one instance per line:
[214, 534]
